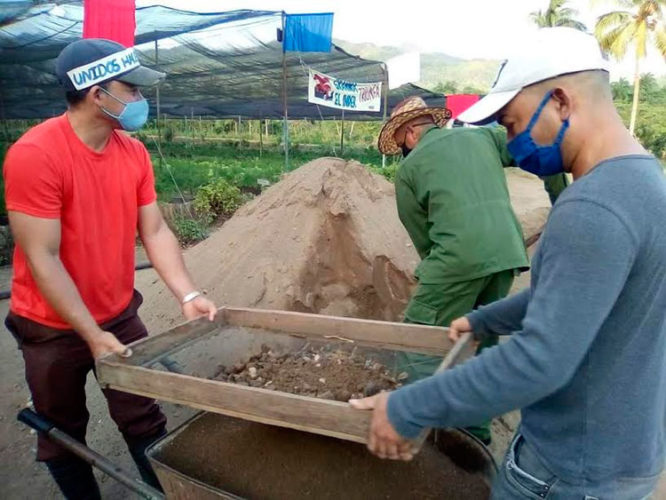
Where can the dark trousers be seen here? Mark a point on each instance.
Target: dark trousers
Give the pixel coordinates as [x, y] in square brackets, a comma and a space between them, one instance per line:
[57, 363]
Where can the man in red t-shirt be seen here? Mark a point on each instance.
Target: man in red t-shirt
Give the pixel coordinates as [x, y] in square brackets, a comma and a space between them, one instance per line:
[77, 191]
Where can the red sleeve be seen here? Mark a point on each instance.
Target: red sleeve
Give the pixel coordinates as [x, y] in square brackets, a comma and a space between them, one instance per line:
[145, 191]
[33, 183]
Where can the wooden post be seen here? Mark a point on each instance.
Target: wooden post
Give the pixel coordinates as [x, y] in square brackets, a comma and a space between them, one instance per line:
[261, 138]
[386, 92]
[285, 123]
[342, 134]
[157, 106]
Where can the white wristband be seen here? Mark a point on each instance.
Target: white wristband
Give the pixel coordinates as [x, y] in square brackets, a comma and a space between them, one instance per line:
[190, 297]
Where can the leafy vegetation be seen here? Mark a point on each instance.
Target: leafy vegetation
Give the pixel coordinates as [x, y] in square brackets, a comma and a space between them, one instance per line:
[637, 28]
[217, 199]
[557, 14]
[190, 230]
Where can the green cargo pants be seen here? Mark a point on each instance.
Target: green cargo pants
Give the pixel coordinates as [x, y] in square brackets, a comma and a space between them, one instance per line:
[554, 185]
[438, 305]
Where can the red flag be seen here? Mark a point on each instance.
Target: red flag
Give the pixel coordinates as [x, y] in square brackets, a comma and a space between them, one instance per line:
[110, 19]
[458, 103]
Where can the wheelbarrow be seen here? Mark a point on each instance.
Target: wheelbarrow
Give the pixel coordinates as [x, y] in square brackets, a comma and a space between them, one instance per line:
[182, 479]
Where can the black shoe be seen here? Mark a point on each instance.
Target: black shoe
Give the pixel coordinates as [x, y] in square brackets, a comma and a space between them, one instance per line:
[74, 478]
[137, 449]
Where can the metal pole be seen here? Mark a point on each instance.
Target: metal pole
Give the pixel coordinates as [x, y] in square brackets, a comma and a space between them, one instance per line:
[261, 137]
[386, 91]
[157, 104]
[342, 134]
[285, 125]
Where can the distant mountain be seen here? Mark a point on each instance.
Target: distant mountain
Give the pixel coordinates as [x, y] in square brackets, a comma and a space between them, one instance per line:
[437, 68]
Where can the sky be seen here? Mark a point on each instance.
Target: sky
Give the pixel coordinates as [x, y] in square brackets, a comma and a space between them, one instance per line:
[486, 29]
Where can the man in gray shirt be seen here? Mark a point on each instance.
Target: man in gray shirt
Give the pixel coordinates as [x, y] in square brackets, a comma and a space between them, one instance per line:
[586, 361]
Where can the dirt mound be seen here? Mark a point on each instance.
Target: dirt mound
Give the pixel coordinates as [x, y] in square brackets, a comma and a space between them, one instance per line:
[326, 239]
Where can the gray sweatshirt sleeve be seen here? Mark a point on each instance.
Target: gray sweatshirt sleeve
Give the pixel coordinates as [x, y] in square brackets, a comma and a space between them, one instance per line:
[586, 256]
[500, 318]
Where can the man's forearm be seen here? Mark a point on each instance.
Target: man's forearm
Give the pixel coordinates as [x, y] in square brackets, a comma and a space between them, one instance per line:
[166, 257]
[59, 290]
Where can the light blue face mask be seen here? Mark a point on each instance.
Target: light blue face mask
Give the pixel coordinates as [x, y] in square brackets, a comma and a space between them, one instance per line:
[133, 116]
[534, 158]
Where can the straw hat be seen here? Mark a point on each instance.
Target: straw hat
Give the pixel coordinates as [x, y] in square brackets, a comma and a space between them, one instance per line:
[410, 108]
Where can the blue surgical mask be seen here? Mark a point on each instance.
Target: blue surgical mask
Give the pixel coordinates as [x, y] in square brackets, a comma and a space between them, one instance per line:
[133, 116]
[536, 159]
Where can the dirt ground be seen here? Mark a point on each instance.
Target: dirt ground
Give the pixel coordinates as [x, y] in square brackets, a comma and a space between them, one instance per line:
[22, 478]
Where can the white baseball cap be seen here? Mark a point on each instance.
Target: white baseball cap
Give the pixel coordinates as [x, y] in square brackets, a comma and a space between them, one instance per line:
[551, 52]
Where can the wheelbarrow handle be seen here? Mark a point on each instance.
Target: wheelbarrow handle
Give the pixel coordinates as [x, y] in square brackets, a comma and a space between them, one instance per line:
[35, 421]
[43, 425]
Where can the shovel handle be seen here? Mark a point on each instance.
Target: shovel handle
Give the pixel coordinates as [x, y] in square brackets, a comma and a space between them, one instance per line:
[37, 422]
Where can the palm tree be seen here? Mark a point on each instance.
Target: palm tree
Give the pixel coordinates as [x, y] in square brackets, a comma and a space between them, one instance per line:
[618, 30]
[557, 15]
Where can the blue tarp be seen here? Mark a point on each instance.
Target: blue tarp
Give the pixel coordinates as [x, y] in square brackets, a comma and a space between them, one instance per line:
[10, 9]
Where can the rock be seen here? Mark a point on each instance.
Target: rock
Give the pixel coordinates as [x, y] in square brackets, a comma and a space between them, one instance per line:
[252, 371]
[342, 395]
[370, 389]
[237, 368]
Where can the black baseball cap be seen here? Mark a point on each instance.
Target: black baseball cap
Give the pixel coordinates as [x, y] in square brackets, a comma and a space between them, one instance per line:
[93, 61]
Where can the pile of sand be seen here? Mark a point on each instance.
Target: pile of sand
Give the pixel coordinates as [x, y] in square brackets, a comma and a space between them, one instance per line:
[326, 239]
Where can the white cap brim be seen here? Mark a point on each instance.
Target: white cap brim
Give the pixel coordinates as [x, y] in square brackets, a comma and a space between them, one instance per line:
[485, 110]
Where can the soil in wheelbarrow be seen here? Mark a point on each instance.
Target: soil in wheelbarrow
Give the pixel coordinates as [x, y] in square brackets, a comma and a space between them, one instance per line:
[322, 372]
[257, 461]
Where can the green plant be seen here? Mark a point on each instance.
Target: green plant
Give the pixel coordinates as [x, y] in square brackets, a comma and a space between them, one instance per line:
[617, 31]
[557, 14]
[217, 199]
[190, 231]
[169, 134]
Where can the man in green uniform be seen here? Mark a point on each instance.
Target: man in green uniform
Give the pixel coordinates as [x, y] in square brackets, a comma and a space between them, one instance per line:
[453, 200]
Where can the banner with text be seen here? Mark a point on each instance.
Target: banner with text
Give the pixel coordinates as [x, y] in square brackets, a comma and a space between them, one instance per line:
[336, 93]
